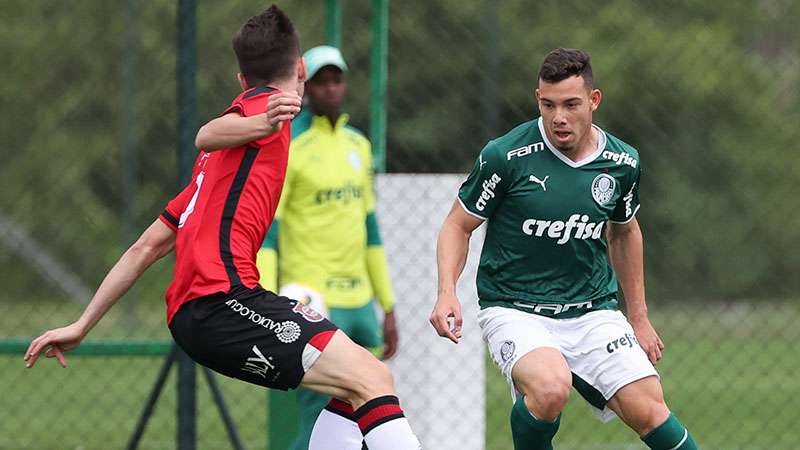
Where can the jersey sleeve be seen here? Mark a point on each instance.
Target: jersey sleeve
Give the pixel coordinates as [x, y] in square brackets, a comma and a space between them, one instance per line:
[628, 203]
[485, 186]
[176, 207]
[369, 186]
[252, 103]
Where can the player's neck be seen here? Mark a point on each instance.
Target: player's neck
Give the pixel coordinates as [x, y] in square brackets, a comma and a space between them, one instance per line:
[587, 146]
[332, 116]
[285, 85]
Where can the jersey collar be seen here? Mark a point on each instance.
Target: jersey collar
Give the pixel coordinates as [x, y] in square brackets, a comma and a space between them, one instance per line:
[601, 144]
[322, 123]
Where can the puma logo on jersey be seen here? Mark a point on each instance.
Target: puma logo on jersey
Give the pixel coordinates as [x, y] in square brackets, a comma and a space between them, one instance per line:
[481, 162]
[540, 182]
[525, 151]
[577, 227]
[620, 158]
[489, 186]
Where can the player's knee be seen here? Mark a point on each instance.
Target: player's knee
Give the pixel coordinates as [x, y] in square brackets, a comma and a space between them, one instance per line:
[652, 416]
[552, 399]
[381, 375]
[546, 398]
[372, 379]
[645, 415]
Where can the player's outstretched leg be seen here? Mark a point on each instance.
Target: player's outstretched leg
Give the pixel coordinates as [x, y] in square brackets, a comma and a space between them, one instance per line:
[349, 372]
[544, 379]
[641, 406]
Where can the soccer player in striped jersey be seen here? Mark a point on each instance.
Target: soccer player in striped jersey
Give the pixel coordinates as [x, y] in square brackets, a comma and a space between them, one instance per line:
[559, 196]
[324, 244]
[216, 309]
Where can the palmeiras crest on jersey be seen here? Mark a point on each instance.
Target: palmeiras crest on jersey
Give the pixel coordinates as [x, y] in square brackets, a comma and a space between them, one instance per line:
[289, 332]
[507, 350]
[603, 188]
[355, 160]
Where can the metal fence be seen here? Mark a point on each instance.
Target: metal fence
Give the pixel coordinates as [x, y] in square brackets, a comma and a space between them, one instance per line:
[708, 92]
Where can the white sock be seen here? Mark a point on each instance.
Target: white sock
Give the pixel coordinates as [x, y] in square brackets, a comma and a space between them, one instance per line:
[384, 426]
[336, 429]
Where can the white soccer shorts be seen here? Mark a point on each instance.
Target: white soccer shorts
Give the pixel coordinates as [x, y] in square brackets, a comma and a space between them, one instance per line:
[600, 348]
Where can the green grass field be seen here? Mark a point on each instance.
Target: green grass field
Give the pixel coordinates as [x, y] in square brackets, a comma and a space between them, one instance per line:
[729, 374]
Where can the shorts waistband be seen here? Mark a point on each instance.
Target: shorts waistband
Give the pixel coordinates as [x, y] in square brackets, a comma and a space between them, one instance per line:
[561, 310]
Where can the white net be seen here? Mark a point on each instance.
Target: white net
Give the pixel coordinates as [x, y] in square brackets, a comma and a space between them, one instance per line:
[441, 385]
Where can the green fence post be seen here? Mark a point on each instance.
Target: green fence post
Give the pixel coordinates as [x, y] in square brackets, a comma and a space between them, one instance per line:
[378, 79]
[187, 122]
[333, 23]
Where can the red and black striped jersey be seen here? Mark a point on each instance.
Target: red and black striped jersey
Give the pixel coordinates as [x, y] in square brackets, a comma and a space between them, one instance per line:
[222, 215]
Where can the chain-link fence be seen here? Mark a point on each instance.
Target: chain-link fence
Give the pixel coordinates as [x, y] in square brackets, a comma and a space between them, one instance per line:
[707, 91]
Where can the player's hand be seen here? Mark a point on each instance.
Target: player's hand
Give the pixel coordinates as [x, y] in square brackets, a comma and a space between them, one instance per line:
[648, 339]
[390, 337]
[281, 107]
[447, 307]
[54, 343]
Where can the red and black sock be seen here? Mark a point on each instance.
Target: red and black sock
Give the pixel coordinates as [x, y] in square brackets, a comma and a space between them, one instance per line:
[377, 412]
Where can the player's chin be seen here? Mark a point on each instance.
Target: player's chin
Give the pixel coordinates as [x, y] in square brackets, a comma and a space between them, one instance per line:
[566, 148]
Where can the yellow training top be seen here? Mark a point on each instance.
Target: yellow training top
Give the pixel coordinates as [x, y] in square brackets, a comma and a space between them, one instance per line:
[325, 231]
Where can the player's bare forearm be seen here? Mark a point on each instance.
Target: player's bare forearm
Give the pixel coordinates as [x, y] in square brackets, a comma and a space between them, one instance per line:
[451, 255]
[625, 250]
[232, 130]
[452, 248]
[157, 241]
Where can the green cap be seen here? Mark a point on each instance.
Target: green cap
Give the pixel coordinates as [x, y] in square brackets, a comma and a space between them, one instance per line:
[321, 56]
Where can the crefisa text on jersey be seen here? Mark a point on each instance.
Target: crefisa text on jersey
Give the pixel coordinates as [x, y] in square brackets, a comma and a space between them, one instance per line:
[620, 158]
[557, 229]
[489, 186]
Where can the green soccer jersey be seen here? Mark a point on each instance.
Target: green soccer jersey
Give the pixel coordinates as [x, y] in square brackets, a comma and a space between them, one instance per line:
[545, 250]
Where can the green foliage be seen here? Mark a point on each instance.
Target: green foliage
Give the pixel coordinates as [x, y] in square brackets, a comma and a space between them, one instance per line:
[707, 93]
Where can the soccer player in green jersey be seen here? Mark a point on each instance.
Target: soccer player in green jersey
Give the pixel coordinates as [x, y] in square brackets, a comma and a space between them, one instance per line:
[559, 197]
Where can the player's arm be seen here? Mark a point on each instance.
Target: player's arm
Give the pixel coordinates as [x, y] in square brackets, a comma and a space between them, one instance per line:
[480, 194]
[451, 256]
[378, 270]
[625, 251]
[376, 261]
[233, 129]
[156, 242]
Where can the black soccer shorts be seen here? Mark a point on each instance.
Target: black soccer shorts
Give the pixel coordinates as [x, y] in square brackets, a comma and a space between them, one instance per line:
[252, 335]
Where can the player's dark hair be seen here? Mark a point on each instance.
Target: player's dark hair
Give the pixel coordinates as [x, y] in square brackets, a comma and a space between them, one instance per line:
[267, 47]
[563, 63]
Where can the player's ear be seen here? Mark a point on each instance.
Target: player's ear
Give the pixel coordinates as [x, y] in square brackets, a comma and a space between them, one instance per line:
[536, 94]
[301, 70]
[301, 76]
[595, 96]
[242, 81]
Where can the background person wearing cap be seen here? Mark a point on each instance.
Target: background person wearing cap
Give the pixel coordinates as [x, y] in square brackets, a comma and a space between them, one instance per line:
[324, 244]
